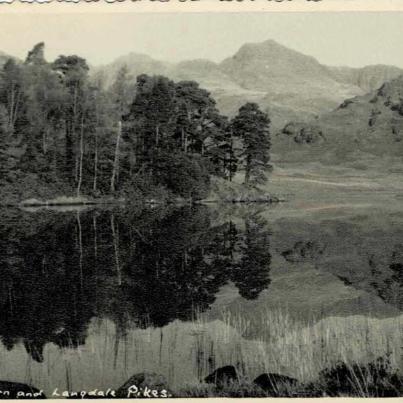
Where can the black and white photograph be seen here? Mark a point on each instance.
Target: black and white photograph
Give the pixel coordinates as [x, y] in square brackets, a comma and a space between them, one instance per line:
[201, 205]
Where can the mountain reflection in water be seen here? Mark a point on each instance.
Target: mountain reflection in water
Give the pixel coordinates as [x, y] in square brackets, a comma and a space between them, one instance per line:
[89, 298]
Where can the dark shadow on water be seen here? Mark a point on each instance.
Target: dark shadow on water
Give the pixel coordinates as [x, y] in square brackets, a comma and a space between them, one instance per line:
[139, 269]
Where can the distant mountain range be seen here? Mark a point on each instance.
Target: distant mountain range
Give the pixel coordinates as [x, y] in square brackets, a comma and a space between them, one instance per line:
[286, 83]
[333, 110]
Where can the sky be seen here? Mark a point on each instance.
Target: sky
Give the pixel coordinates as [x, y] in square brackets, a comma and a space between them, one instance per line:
[349, 39]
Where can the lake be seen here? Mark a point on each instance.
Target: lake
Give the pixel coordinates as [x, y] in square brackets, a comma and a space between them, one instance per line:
[90, 297]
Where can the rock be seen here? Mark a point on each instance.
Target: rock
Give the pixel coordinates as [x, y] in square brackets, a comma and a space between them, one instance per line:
[15, 390]
[222, 376]
[148, 384]
[275, 384]
[304, 133]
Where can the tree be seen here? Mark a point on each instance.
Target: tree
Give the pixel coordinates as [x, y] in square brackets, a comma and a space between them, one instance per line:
[36, 56]
[73, 72]
[151, 119]
[63, 130]
[44, 114]
[100, 102]
[8, 160]
[121, 96]
[12, 94]
[183, 175]
[197, 116]
[181, 118]
[251, 125]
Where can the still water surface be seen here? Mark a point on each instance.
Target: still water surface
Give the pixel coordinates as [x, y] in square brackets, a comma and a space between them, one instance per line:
[89, 298]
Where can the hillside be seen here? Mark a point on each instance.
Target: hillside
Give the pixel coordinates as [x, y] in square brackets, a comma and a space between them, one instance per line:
[286, 83]
[229, 95]
[289, 78]
[368, 78]
[370, 124]
[137, 63]
[293, 87]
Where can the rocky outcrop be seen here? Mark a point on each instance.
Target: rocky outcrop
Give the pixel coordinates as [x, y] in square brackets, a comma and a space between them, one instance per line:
[276, 384]
[360, 128]
[222, 376]
[304, 133]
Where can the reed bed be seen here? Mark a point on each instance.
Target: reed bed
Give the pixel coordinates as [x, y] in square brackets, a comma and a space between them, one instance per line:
[186, 352]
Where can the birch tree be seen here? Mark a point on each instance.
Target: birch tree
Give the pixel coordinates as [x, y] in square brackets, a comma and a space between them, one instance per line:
[12, 92]
[121, 95]
[73, 72]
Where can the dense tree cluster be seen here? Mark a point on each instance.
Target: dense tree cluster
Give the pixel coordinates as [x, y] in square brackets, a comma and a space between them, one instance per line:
[60, 125]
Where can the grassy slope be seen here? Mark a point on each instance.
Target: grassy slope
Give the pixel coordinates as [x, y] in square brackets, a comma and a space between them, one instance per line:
[364, 131]
[235, 191]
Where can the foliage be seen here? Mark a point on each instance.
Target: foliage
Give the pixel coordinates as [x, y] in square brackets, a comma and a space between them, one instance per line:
[377, 379]
[141, 188]
[185, 176]
[62, 126]
[252, 126]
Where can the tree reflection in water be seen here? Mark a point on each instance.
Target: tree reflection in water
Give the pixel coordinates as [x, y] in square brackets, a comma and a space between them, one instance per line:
[61, 270]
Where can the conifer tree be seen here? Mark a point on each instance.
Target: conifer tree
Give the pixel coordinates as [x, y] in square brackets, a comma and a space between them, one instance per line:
[251, 125]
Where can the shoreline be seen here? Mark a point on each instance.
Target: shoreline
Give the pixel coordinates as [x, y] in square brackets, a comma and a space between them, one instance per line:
[123, 202]
[255, 196]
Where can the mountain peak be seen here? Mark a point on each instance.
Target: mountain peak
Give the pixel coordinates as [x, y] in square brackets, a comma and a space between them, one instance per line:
[267, 64]
[288, 83]
[266, 43]
[269, 48]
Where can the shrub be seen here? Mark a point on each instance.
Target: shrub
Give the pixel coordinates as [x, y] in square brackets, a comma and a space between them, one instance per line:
[143, 187]
[377, 379]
